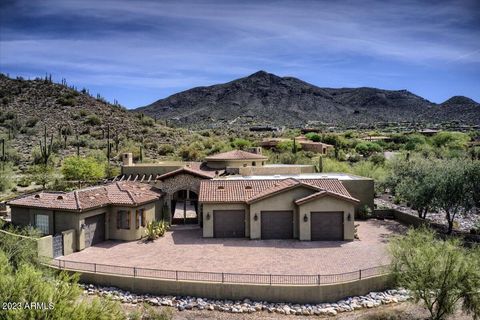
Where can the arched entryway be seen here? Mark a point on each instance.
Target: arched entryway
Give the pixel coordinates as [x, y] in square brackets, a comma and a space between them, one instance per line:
[184, 207]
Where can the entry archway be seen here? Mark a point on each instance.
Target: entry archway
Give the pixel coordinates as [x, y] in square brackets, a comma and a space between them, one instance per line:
[184, 206]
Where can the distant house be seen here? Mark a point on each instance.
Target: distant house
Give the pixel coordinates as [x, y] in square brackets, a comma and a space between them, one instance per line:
[117, 211]
[307, 145]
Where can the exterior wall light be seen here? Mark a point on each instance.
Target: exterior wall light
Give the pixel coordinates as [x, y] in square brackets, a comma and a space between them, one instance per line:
[255, 217]
[305, 218]
[208, 215]
[349, 216]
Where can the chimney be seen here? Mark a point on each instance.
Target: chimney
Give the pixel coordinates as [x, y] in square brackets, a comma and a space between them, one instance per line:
[127, 159]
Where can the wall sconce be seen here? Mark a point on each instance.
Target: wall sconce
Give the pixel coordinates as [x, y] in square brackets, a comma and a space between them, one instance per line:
[208, 215]
[255, 217]
[305, 218]
[83, 226]
[349, 216]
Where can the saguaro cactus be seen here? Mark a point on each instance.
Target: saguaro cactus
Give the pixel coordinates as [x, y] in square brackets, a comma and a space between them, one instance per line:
[46, 150]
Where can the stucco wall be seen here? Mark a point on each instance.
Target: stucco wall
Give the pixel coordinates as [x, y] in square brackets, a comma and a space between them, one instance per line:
[282, 201]
[45, 247]
[222, 164]
[327, 204]
[271, 293]
[133, 233]
[291, 169]
[208, 208]
[69, 241]
[81, 220]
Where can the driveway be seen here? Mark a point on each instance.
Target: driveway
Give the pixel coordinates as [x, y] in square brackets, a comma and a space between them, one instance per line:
[184, 249]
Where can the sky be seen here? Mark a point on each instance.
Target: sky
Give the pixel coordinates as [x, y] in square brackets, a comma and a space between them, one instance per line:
[138, 51]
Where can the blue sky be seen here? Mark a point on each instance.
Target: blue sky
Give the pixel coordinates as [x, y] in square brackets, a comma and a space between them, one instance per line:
[140, 51]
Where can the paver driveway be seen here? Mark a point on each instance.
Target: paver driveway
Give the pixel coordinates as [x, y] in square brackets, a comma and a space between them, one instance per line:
[186, 250]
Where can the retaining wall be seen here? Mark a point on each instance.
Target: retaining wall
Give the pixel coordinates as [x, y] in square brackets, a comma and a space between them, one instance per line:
[232, 291]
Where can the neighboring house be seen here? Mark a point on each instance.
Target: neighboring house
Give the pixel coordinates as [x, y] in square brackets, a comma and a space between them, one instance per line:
[117, 211]
[306, 145]
[305, 209]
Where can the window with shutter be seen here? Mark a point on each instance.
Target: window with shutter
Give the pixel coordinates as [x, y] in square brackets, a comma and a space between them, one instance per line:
[143, 217]
[129, 217]
[119, 219]
[137, 219]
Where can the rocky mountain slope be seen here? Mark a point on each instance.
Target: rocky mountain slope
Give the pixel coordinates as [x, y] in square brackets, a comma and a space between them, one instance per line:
[266, 99]
[27, 106]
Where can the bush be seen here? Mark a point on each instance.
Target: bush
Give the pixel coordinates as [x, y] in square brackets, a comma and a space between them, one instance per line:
[147, 121]
[313, 136]
[165, 149]
[440, 274]
[24, 181]
[83, 169]
[368, 148]
[93, 120]
[31, 122]
[365, 213]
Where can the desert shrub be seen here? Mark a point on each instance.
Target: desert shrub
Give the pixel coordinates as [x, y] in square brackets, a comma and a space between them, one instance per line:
[93, 120]
[147, 121]
[241, 144]
[451, 140]
[24, 181]
[313, 136]
[365, 213]
[332, 165]
[368, 148]
[31, 122]
[165, 149]
[83, 169]
[83, 113]
[440, 274]
[6, 178]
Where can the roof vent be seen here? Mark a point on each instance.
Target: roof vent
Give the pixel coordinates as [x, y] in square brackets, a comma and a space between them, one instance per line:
[37, 196]
[248, 187]
[60, 198]
[220, 187]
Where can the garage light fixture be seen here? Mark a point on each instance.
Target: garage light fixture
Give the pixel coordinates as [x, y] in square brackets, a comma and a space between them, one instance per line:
[208, 215]
[255, 217]
[305, 218]
[349, 217]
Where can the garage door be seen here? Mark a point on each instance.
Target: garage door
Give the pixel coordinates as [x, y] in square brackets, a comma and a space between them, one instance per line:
[94, 230]
[327, 226]
[229, 223]
[277, 224]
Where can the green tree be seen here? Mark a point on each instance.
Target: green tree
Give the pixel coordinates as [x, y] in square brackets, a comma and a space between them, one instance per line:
[42, 174]
[440, 274]
[83, 169]
[313, 136]
[453, 191]
[451, 140]
[418, 187]
[241, 144]
[367, 148]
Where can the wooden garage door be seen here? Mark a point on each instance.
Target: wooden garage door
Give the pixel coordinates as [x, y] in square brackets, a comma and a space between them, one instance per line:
[94, 230]
[327, 226]
[229, 223]
[277, 224]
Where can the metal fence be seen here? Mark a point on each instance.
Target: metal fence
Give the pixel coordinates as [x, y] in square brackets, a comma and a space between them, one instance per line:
[221, 277]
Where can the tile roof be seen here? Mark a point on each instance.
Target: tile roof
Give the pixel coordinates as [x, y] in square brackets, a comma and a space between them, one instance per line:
[248, 190]
[325, 193]
[236, 155]
[126, 193]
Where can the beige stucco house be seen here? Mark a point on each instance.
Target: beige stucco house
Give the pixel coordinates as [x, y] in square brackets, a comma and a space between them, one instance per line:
[304, 209]
[117, 211]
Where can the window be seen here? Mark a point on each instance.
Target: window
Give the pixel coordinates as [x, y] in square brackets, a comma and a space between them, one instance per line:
[123, 219]
[41, 222]
[254, 163]
[140, 218]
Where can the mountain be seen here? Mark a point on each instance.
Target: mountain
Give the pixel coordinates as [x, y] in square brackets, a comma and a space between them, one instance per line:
[27, 106]
[266, 99]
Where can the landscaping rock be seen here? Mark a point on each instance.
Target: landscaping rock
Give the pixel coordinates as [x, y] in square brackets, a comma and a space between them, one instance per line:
[371, 300]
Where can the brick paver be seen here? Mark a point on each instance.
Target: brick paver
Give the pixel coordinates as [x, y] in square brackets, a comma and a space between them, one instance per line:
[186, 250]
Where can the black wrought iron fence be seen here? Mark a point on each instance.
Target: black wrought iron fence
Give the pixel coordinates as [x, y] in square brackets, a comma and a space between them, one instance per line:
[221, 277]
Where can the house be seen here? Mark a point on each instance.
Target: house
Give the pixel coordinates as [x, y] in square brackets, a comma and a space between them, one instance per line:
[290, 208]
[117, 211]
[306, 145]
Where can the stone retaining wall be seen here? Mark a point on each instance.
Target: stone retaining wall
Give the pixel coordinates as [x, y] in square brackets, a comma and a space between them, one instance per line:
[273, 293]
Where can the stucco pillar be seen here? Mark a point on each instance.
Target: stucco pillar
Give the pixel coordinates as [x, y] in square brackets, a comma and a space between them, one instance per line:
[304, 227]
